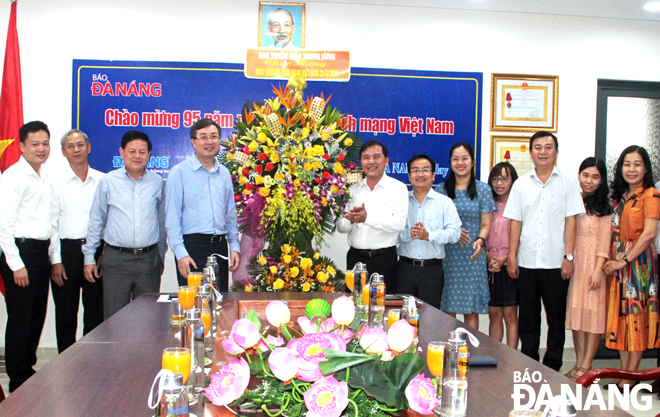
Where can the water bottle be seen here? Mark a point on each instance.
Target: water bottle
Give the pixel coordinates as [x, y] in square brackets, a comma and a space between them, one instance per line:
[174, 399]
[204, 300]
[215, 270]
[376, 301]
[192, 337]
[454, 381]
[413, 318]
[362, 307]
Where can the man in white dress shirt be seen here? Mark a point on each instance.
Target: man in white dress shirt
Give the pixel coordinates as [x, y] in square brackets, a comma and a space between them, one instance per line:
[543, 206]
[376, 214]
[74, 193]
[28, 235]
[432, 222]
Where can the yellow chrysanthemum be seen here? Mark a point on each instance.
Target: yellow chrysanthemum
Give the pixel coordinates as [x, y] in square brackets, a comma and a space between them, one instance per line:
[273, 269]
[325, 135]
[306, 263]
[324, 201]
[253, 146]
[247, 192]
[348, 142]
[259, 180]
[279, 177]
[318, 150]
[262, 260]
[305, 132]
[317, 255]
[274, 158]
[248, 288]
[331, 270]
[338, 167]
[242, 180]
[296, 182]
[278, 284]
[287, 259]
[316, 165]
[307, 166]
[306, 287]
[286, 249]
[293, 272]
[334, 189]
[264, 191]
[322, 277]
[261, 137]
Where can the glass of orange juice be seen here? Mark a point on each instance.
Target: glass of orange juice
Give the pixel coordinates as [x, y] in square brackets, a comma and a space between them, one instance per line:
[194, 279]
[177, 360]
[435, 360]
[208, 334]
[393, 316]
[350, 280]
[187, 297]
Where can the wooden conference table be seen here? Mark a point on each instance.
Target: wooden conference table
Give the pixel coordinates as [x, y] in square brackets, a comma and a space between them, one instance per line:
[109, 372]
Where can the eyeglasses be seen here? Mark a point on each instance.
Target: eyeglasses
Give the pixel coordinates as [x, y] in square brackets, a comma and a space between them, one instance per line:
[503, 180]
[422, 171]
[213, 137]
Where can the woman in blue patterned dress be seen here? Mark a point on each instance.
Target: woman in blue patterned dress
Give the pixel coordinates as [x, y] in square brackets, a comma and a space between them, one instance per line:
[466, 278]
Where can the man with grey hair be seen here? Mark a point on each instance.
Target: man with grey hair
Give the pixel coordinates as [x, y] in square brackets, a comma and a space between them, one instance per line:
[74, 193]
[281, 26]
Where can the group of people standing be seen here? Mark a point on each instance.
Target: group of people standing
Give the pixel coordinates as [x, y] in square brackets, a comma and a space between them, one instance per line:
[509, 246]
[104, 234]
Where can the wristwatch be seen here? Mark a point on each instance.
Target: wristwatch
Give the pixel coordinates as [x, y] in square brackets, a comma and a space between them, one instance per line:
[569, 257]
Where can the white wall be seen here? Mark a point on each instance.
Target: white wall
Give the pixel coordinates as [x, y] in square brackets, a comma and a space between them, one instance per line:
[579, 50]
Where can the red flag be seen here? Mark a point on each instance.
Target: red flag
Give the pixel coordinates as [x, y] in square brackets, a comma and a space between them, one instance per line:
[11, 103]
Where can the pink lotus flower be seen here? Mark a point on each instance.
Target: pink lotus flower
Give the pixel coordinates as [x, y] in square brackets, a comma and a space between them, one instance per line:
[400, 336]
[373, 340]
[231, 347]
[326, 398]
[271, 341]
[283, 363]
[245, 333]
[309, 351]
[328, 325]
[343, 310]
[229, 382]
[277, 313]
[421, 395]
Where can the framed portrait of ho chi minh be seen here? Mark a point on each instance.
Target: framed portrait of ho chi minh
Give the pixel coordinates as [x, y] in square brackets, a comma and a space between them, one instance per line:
[281, 25]
[524, 103]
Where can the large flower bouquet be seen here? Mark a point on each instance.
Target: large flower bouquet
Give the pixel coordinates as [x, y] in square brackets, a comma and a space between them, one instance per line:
[287, 269]
[334, 367]
[289, 161]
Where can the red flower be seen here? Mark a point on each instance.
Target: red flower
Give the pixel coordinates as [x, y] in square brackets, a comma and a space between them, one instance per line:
[318, 180]
[311, 194]
[263, 157]
[237, 197]
[340, 157]
[247, 151]
[245, 172]
[352, 165]
[326, 175]
[270, 166]
[249, 186]
[326, 156]
[259, 169]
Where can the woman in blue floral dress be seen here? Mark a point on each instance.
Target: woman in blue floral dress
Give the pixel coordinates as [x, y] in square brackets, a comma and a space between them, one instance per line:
[466, 278]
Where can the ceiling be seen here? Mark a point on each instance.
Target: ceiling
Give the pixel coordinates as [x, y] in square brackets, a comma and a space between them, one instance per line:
[615, 9]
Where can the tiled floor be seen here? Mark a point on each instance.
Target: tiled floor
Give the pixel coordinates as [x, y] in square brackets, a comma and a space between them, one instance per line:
[44, 355]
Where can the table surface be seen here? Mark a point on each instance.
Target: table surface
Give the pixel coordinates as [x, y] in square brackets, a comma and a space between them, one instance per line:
[109, 371]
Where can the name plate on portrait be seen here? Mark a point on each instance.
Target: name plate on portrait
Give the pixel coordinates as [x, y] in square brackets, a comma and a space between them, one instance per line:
[312, 65]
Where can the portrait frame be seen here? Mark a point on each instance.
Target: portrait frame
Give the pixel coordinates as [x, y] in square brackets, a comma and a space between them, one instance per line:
[524, 103]
[297, 10]
[518, 149]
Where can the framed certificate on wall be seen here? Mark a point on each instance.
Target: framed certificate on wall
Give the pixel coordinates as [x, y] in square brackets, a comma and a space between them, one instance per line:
[524, 103]
[511, 149]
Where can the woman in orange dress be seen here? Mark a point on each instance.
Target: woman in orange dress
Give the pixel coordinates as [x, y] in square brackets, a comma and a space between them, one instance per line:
[586, 302]
[632, 314]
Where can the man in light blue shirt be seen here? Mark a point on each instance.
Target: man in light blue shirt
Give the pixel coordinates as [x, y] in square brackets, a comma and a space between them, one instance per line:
[201, 210]
[130, 205]
[432, 222]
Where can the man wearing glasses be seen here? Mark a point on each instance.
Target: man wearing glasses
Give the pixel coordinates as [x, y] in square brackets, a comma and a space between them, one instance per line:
[201, 211]
[432, 222]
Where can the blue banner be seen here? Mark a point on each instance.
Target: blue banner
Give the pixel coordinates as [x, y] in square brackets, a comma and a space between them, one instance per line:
[410, 112]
